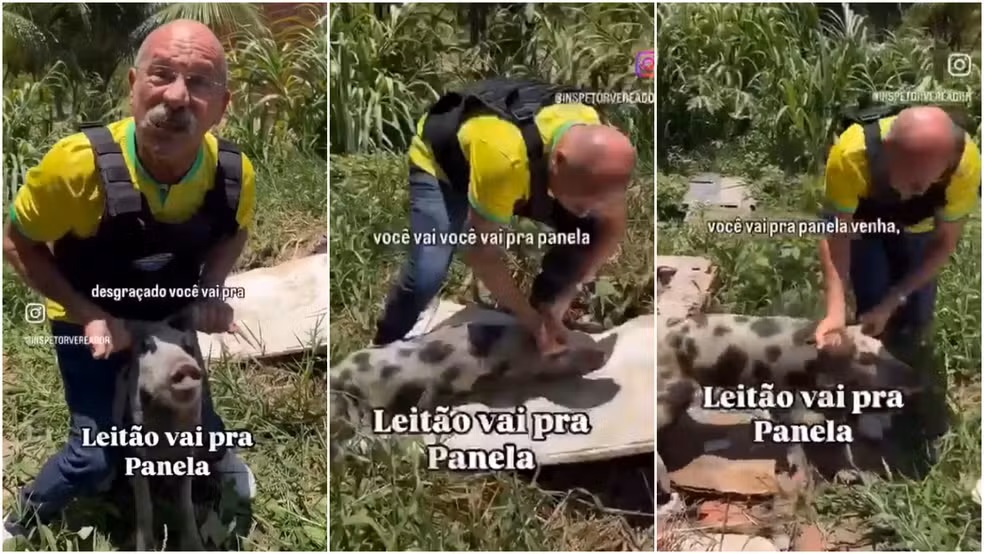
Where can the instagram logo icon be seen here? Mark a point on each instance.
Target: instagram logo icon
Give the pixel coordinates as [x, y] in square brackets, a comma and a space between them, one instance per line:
[35, 313]
[644, 63]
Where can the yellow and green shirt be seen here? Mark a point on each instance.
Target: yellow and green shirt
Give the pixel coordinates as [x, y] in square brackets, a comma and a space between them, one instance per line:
[496, 155]
[846, 178]
[63, 193]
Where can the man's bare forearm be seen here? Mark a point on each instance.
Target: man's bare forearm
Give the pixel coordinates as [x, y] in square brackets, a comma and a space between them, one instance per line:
[599, 254]
[35, 264]
[222, 258]
[835, 261]
[610, 234]
[491, 267]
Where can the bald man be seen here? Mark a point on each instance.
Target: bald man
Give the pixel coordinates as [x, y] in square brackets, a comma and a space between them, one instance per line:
[920, 172]
[499, 149]
[153, 200]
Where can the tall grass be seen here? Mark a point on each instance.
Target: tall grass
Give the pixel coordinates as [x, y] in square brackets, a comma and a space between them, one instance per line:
[278, 107]
[774, 79]
[387, 67]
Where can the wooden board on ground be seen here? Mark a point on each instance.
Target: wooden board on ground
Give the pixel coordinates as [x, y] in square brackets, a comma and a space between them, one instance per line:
[688, 289]
[283, 310]
[618, 398]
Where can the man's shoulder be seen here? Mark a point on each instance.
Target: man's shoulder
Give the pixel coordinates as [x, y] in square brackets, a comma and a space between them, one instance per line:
[212, 145]
[70, 159]
[968, 171]
[491, 138]
[570, 111]
[971, 151]
[849, 151]
[851, 140]
[73, 153]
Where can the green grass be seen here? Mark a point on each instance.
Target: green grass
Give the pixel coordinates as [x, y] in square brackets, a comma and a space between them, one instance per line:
[763, 276]
[282, 404]
[384, 500]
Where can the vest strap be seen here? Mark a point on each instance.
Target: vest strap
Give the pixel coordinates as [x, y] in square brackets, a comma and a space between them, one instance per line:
[121, 196]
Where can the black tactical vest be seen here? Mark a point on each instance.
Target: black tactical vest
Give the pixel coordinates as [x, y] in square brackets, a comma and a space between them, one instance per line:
[515, 100]
[132, 250]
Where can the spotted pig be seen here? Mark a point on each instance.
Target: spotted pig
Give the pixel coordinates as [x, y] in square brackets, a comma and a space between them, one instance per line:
[446, 365]
[726, 350]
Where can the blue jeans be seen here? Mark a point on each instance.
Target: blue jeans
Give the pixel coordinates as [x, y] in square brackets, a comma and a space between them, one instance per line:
[879, 262]
[437, 206]
[89, 391]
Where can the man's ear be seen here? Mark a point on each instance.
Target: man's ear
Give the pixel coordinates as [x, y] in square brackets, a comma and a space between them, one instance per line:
[226, 100]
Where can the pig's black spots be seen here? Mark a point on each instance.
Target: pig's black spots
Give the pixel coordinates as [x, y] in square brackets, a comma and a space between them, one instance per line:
[450, 374]
[761, 372]
[765, 327]
[407, 397]
[482, 338]
[361, 361]
[388, 371]
[500, 368]
[435, 352]
[148, 345]
[773, 353]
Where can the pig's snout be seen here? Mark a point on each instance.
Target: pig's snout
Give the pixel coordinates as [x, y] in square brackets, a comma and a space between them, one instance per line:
[186, 375]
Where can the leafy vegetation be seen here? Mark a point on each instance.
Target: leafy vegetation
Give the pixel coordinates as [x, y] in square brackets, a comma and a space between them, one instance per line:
[768, 82]
[277, 74]
[387, 63]
[753, 91]
[277, 116]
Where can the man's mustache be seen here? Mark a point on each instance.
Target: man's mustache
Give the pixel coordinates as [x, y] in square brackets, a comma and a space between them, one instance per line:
[180, 120]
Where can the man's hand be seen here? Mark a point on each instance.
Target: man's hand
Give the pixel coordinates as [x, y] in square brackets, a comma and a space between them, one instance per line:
[559, 308]
[213, 316]
[874, 321]
[828, 330]
[106, 335]
[549, 333]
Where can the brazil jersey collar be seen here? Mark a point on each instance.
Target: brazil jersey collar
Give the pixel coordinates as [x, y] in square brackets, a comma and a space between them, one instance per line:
[162, 189]
[559, 132]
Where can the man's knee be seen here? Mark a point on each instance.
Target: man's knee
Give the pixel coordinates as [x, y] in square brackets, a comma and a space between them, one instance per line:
[87, 467]
[428, 270]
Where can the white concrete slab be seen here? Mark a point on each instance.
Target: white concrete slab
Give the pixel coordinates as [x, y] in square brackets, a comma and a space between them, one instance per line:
[283, 310]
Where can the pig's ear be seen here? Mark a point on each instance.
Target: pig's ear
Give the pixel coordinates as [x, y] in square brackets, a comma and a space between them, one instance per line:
[140, 335]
